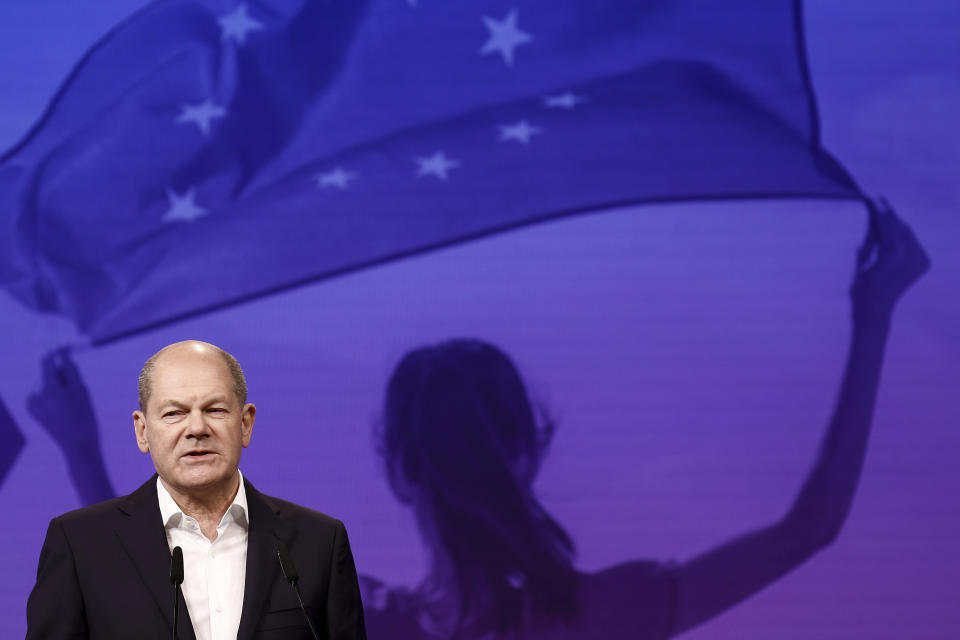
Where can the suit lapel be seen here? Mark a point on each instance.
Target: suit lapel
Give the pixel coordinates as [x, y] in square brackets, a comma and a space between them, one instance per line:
[265, 530]
[142, 536]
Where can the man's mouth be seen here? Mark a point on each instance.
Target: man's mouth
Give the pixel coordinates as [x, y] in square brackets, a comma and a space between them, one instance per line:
[195, 455]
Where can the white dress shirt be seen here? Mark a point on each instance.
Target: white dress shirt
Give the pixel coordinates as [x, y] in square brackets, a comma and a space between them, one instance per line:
[214, 572]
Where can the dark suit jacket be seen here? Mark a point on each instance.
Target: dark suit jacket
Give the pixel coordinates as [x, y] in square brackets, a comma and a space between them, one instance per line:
[104, 573]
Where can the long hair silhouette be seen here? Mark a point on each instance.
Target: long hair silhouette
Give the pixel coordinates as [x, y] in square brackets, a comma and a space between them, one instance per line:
[460, 432]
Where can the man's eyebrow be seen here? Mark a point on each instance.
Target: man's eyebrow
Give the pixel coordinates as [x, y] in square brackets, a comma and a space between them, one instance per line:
[171, 403]
[217, 399]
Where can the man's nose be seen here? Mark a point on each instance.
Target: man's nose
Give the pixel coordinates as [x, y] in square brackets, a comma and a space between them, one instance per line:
[197, 426]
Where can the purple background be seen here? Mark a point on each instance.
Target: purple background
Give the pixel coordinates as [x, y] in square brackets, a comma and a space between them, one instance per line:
[689, 352]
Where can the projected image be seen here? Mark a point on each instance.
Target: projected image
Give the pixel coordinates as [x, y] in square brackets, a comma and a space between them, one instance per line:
[462, 445]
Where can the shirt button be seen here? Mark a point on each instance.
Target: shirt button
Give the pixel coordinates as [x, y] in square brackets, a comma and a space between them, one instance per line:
[213, 553]
[219, 608]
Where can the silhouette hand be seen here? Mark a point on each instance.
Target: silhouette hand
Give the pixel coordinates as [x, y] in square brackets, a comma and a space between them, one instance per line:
[62, 405]
[888, 262]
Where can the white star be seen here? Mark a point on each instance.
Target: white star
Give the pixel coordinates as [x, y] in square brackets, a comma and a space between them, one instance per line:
[237, 24]
[520, 132]
[437, 165]
[563, 101]
[336, 178]
[504, 36]
[183, 207]
[200, 114]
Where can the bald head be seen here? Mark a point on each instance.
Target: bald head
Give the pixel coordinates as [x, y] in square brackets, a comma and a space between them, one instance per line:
[195, 347]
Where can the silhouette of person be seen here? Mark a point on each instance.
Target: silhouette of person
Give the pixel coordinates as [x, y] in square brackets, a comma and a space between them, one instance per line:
[462, 445]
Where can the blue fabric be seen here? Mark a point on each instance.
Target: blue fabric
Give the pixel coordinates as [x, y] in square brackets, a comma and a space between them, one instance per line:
[11, 442]
[206, 152]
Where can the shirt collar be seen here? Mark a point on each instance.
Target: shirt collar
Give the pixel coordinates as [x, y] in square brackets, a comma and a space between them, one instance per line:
[172, 514]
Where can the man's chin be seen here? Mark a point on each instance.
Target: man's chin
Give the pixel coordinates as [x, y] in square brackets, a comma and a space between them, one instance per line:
[198, 478]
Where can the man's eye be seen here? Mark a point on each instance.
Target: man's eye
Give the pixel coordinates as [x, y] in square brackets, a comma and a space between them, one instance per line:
[217, 410]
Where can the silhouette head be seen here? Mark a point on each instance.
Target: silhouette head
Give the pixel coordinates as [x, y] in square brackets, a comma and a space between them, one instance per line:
[462, 444]
[457, 412]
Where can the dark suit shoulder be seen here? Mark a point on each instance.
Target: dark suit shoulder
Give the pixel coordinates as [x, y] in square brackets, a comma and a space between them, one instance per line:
[290, 522]
[103, 512]
[91, 512]
[293, 511]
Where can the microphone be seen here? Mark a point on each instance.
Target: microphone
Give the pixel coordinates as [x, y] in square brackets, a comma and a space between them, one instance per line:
[176, 579]
[290, 573]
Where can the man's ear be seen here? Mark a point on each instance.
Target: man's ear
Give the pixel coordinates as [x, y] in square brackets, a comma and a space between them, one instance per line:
[247, 417]
[140, 428]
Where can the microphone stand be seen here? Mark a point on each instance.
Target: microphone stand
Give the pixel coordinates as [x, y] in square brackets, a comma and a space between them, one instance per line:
[176, 578]
[290, 573]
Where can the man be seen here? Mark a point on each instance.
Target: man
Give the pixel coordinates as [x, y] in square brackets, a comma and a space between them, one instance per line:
[104, 570]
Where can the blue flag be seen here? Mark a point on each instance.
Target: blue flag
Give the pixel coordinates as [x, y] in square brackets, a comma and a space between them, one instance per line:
[203, 153]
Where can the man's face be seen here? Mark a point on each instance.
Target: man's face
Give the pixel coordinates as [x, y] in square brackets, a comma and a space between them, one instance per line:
[193, 425]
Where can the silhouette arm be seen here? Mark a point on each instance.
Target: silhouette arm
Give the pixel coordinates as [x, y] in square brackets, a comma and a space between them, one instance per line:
[62, 407]
[889, 261]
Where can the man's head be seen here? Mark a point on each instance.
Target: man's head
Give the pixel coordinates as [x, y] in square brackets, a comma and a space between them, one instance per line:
[193, 419]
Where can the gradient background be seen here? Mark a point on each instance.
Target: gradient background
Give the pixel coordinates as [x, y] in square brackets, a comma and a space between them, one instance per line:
[690, 353]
